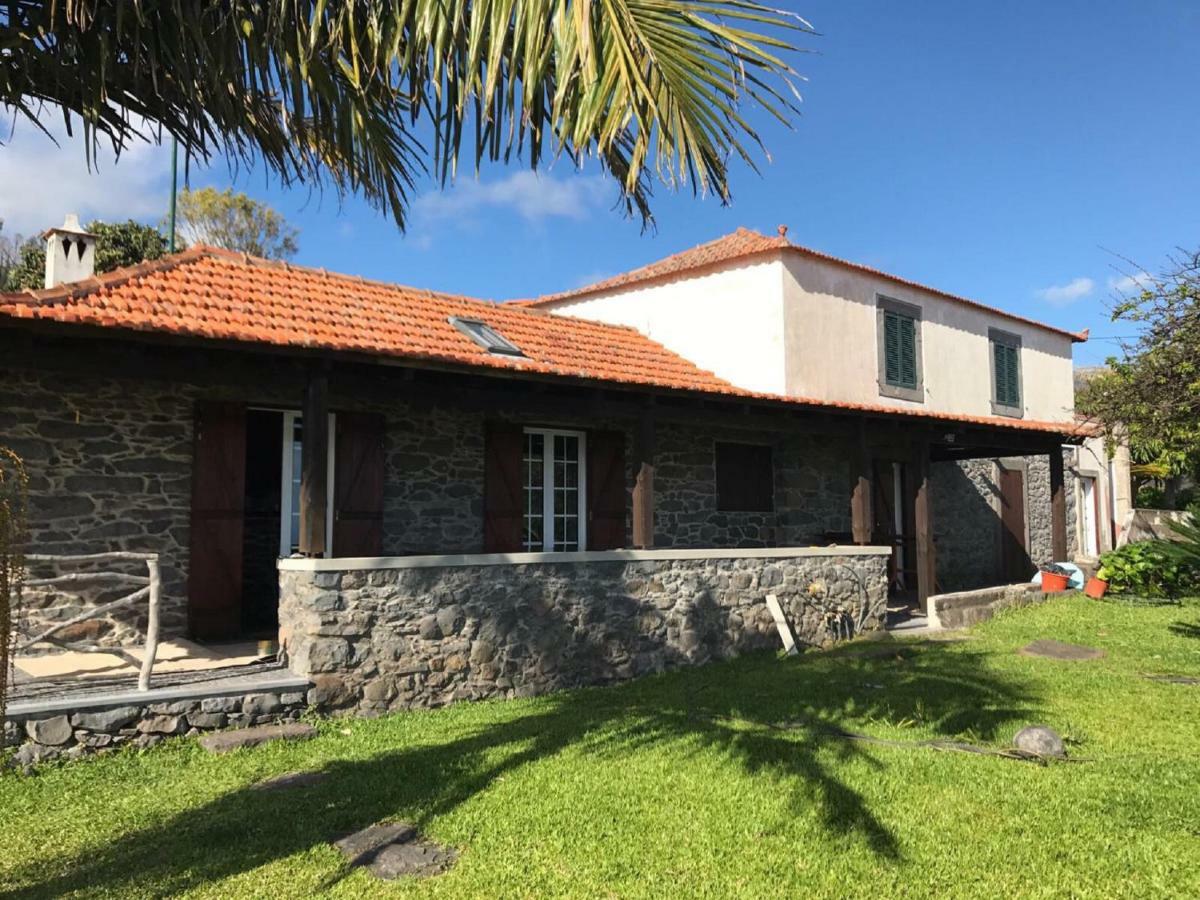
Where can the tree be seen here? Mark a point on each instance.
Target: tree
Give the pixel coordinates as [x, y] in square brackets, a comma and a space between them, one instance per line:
[234, 221]
[1150, 395]
[369, 95]
[117, 244]
[10, 258]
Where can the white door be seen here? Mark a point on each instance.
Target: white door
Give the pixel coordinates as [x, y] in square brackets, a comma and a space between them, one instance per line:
[1091, 547]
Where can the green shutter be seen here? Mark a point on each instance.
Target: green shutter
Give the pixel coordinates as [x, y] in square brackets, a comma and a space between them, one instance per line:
[1008, 375]
[900, 350]
[908, 352]
[891, 347]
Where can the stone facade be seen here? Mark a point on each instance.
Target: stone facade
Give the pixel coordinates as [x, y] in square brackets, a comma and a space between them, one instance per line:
[50, 735]
[966, 515]
[416, 636]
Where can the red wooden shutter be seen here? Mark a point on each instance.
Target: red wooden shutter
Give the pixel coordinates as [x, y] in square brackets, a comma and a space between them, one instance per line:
[218, 500]
[606, 490]
[503, 489]
[358, 485]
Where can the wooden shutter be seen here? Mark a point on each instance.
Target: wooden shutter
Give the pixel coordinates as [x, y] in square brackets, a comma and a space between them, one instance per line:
[503, 489]
[1008, 380]
[745, 478]
[606, 490]
[908, 352]
[891, 347]
[218, 523]
[358, 485]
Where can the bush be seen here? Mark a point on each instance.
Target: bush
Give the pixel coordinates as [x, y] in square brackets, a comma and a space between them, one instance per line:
[1148, 569]
[1150, 497]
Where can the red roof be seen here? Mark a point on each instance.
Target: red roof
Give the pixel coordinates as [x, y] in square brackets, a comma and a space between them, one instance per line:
[205, 292]
[743, 244]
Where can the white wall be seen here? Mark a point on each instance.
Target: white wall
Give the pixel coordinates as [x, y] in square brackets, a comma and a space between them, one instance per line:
[791, 324]
[832, 353]
[729, 321]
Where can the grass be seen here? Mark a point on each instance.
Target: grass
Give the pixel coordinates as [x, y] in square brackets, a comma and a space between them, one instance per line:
[677, 785]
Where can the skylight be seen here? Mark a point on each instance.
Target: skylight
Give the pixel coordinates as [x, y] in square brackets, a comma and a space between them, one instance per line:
[486, 336]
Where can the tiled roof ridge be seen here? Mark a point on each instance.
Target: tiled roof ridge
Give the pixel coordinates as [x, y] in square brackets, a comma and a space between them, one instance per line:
[661, 270]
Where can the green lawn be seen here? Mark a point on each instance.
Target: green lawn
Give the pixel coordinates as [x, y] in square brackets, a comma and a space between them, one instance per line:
[677, 786]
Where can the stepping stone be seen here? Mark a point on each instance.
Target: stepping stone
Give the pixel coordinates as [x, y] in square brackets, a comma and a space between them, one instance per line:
[1173, 679]
[1058, 650]
[290, 780]
[1040, 740]
[394, 850]
[225, 741]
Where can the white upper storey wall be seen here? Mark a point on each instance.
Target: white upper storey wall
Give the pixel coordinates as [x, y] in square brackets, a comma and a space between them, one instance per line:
[788, 323]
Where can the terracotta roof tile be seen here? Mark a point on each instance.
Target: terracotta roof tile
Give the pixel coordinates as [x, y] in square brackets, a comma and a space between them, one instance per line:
[216, 294]
[744, 244]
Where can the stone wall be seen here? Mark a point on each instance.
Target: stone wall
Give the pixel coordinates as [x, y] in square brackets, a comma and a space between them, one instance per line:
[967, 528]
[97, 729]
[429, 634]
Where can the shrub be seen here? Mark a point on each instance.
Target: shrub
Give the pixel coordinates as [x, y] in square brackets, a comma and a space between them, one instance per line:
[1149, 569]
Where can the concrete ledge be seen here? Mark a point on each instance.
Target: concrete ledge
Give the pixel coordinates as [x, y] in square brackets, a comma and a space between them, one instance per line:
[360, 563]
[963, 608]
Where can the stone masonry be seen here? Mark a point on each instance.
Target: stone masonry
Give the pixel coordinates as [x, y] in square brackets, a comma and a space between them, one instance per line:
[70, 735]
[396, 638]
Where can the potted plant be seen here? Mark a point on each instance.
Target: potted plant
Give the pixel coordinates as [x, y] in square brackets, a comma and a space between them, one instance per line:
[1097, 584]
[1054, 578]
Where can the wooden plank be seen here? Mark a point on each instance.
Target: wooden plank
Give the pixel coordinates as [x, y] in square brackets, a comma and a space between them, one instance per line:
[924, 527]
[217, 522]
[1058, 507]
[358, 485]
[862, 491]
[643, 486]
[782, 626]
[314, 467]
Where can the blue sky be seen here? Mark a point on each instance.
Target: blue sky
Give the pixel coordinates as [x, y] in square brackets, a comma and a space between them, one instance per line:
[1010, 152]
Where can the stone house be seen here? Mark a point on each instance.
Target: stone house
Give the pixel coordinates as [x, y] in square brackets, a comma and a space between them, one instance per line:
[399, 455]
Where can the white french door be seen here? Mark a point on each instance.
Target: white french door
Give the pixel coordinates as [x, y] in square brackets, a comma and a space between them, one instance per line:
[1091, 532]
[555, 490]
[289, 513]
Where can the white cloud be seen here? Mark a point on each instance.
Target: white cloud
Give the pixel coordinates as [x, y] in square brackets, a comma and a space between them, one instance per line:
[533, 197]
[1064, 294]
[41, 182]
[1128, 284]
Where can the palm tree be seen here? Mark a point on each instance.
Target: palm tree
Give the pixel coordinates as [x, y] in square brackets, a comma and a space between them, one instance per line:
[369, 95]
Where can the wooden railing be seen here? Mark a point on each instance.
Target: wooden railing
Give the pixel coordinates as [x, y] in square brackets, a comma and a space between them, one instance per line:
[148, 587]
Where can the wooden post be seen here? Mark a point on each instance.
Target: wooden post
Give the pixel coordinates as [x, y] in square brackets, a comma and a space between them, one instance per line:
[643, 488]
[314, 466]
[151, 650]
[862, 491]
[924, 526]
[1058, 507]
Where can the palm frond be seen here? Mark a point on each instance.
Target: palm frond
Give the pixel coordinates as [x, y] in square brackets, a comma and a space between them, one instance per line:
[341, 92]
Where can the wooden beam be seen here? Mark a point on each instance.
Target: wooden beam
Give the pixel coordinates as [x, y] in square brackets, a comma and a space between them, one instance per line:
[314, 466]
[643, 487]
[1058, 507]
[926, 568]
[862, 490]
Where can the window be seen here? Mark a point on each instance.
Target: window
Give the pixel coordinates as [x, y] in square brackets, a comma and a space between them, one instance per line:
[553, 469]
[1006, 373]
[486, 336]
[899, 327]
[745, 478]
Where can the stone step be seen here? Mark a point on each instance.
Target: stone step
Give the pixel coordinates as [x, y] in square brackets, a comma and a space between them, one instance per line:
[227, 741]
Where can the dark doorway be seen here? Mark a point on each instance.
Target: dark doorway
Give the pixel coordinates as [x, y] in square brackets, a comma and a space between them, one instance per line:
[894, 524]
[1014, 549]
[261, 536]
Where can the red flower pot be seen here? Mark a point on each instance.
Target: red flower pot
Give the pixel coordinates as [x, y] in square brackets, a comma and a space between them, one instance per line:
[1052, 583]
[1095, 588]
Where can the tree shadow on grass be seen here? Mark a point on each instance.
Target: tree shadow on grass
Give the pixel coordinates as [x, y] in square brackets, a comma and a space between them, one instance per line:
[727, 706]
[1185, 629]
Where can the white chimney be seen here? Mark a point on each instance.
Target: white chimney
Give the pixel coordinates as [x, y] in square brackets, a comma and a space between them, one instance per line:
[70, 253]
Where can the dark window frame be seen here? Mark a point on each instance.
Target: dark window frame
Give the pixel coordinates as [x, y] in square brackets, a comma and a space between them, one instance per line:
[884, 306]
[1000, 405]
[744, 477]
